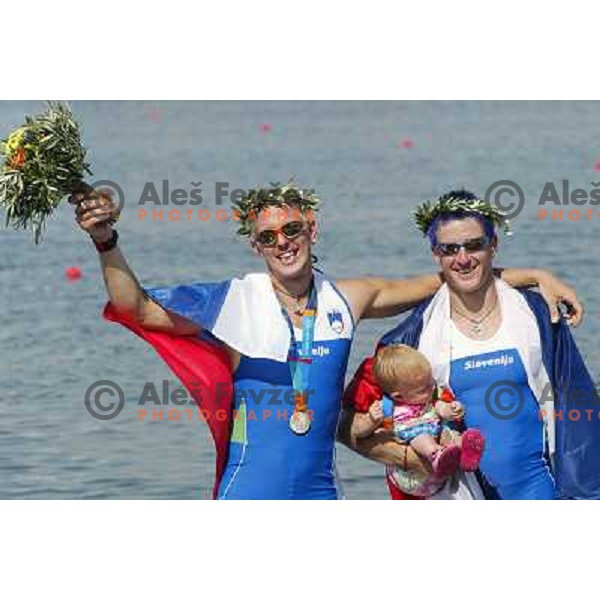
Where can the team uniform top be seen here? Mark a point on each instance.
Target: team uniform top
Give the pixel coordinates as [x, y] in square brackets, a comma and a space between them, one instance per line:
[266, 459]
[515, 462]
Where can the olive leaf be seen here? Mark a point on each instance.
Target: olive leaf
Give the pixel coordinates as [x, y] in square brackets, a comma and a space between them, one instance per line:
[259, 198]
[44, 161]
[426, 214]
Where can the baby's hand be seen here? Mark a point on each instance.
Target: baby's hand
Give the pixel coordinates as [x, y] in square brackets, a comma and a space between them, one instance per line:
[458, 410]
[376, 412]
[450, 411]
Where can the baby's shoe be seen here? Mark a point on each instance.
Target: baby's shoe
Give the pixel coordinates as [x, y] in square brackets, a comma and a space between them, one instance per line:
[473, 445]
[445, 461]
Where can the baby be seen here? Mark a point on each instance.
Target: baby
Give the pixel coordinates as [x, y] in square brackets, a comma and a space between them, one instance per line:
[404, 375]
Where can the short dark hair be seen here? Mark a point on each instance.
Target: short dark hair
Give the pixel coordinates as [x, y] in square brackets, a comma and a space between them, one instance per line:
[460, 194]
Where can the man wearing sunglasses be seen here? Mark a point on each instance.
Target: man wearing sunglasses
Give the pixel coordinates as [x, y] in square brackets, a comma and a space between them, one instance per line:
[513, 370]
[264, 356]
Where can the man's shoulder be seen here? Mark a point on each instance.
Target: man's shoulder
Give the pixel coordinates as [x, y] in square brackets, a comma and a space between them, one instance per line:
[537, 304]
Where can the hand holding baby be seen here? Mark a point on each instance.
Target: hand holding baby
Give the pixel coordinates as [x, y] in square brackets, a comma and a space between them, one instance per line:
[376, 412]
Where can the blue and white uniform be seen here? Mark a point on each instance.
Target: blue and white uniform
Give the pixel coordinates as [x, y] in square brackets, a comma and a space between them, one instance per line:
[266, 460]
[541, 360]
[257, 454]
[490, 379]
[515, 355]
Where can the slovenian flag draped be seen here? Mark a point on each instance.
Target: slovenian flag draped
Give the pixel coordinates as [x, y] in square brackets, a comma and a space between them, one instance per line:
[204, 370]
[244, 314]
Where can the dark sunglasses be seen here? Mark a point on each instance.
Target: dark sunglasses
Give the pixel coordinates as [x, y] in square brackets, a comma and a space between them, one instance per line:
[472, 245]
[290, 230]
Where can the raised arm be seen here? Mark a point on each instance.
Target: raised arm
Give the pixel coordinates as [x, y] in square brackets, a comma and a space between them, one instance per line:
[94, 215]
[374, 298]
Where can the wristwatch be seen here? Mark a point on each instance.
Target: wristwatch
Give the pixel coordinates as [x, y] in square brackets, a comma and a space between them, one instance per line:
[109, 244]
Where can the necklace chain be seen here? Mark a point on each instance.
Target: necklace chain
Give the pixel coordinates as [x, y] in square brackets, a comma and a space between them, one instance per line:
[297, 298]
[476, 326]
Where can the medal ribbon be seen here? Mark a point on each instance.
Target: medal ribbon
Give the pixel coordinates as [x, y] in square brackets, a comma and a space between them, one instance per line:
[301, 360]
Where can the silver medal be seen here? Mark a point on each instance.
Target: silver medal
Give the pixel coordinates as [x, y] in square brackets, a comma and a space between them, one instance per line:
[300, 422]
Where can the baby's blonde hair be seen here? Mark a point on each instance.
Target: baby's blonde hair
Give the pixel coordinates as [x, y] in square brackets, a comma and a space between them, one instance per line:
[397, 363]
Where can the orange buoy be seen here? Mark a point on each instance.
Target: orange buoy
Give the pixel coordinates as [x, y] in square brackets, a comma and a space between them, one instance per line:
[406, 143]
[265, 128]
[73, 273]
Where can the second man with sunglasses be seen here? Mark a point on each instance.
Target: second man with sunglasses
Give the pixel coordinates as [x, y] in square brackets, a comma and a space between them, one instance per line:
[513, 370]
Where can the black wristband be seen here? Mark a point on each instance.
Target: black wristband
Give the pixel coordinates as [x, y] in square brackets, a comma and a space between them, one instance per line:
[109, 244]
